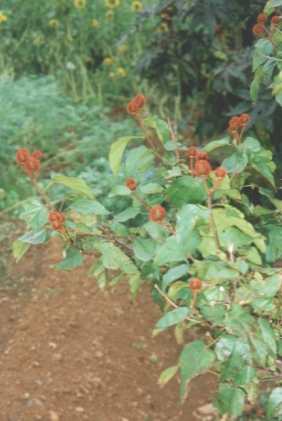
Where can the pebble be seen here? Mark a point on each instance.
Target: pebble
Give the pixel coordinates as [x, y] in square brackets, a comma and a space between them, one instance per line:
[54, 416]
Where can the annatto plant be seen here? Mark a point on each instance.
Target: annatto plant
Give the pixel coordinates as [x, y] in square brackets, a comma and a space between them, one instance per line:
[190, 231]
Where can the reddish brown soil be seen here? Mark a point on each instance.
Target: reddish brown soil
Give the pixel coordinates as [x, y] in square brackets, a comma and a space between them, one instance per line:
[71, 352]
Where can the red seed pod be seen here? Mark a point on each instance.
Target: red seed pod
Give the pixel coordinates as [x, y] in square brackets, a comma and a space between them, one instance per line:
[131, 184]
[275, 20]
[56, 216]
[192, 152]
[203, 155]
[220, 172]
[234, 123]
[37, 154]
[32, 166]
[261, 18]
[258, 29]
[136, 104]
[195, 284]
[157, 213]
[22, 155]
[202, 168]
[244, 119]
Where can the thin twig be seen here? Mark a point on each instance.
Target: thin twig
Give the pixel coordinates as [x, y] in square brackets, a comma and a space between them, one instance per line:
[172, 303]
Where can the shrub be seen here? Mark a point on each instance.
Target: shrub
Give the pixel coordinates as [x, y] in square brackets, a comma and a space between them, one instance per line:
[189, 230]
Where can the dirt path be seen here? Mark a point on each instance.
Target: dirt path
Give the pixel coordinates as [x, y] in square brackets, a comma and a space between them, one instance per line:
[71, 352]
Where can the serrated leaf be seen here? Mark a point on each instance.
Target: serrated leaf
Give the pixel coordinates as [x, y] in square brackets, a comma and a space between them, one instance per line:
[172, 318]
[195, 359]
[173, 274]
[230, 400]
[274, 404]
[144, 249]
[73, 259]
[34, 237]
[77, 185]
[88, 207]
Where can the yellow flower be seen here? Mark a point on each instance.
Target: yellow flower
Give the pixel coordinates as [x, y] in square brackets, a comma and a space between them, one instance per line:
[95, 23]
[108, 61]
[79, 4]
[121, 72]
[163, 27]
[111, 4]
[54, 23]
[121, 49]
[3, 18]
[137, 6]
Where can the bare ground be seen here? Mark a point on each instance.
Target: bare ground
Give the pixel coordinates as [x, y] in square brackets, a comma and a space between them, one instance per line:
[71, 352]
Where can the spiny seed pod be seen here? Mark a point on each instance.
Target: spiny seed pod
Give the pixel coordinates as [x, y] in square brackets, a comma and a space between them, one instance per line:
[275, 20]
[22, 155]
[234, 123]
[30, 163]
[261, 18]
[220, 172]
[57, 220]
[258, 29]
[192, 152]
[195, 284]
[202, 168]
[157, 213]
[244, 119]
[37, 154]
[202, 155]
[131, 184]
[136, 104]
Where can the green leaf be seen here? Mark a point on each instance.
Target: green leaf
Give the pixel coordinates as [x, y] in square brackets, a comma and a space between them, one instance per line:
[139, 161]
[77, 185]
[214, 314]
[172, 318]
[117, 151]
[114, 258]
[88, 207]
[173, 274]
[34, 237]
[170, 252]
[160, 126]
[274, 243]
[195, 359]
[230, 400]
[156, 231]
[127, 214]
[263, 49]
[72, 260]
[274, 404]
[144, 249]
[151, 188]
[226, 345]
[189, 219]
[275, 3]
[238, 321]
[185, 190]
[167, 375]
[268, 335]
[19, 249]
[236, 163]
[35, 214]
